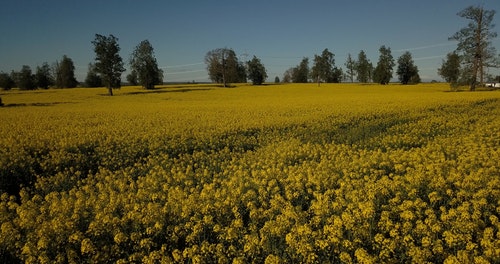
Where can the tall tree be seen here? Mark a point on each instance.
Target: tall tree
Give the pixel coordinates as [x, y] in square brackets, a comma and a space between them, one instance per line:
[363, 68]
[143, 63]
[371, 71]
[223, 66]
[256, 71]
[287, 75]
[474, 42]
[407, 70]
[237, 71]
[383, 72]
[350, 66]
[216, 65]
[25, 80]
[43, 76]
[14, 76]
[337, 75]
[93, 79]
[450, 69]
[108, 64]
[132, 78]
[300, 74]
[324, 69]
[6, 81]
[65, 73]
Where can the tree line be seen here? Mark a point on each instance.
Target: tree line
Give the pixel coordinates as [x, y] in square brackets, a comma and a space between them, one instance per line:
[361, 70]
[106, 71]
[464, 66]
[224, 67]
[60, 74]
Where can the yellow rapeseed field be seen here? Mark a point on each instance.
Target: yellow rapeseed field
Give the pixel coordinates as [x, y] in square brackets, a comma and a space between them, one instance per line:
[293, 173]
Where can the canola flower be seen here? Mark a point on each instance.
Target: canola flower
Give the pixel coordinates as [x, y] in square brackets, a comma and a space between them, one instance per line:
[341, 173]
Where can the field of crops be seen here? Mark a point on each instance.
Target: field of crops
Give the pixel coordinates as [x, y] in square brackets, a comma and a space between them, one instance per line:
[342, 173]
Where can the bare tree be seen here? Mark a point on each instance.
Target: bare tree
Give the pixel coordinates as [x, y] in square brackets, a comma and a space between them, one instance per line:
[474, 42]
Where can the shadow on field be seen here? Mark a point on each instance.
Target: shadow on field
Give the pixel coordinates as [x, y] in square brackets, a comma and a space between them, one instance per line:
[467, 89]
[36, 104]
[161, 91]
[17, 91]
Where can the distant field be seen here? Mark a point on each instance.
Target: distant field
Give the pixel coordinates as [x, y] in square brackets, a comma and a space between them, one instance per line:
[295, 173]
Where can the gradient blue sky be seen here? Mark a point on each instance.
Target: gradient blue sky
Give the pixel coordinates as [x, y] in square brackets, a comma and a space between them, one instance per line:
[279, 32]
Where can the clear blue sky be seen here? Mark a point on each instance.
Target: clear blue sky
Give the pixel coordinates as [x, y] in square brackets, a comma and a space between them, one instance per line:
[279, 32]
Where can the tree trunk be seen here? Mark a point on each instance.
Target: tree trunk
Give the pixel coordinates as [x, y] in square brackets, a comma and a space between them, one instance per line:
[110, 91]
[224, 73]
[224, 68]
[480, 47]
[481, 71]
[477, 66]
[473, 85]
